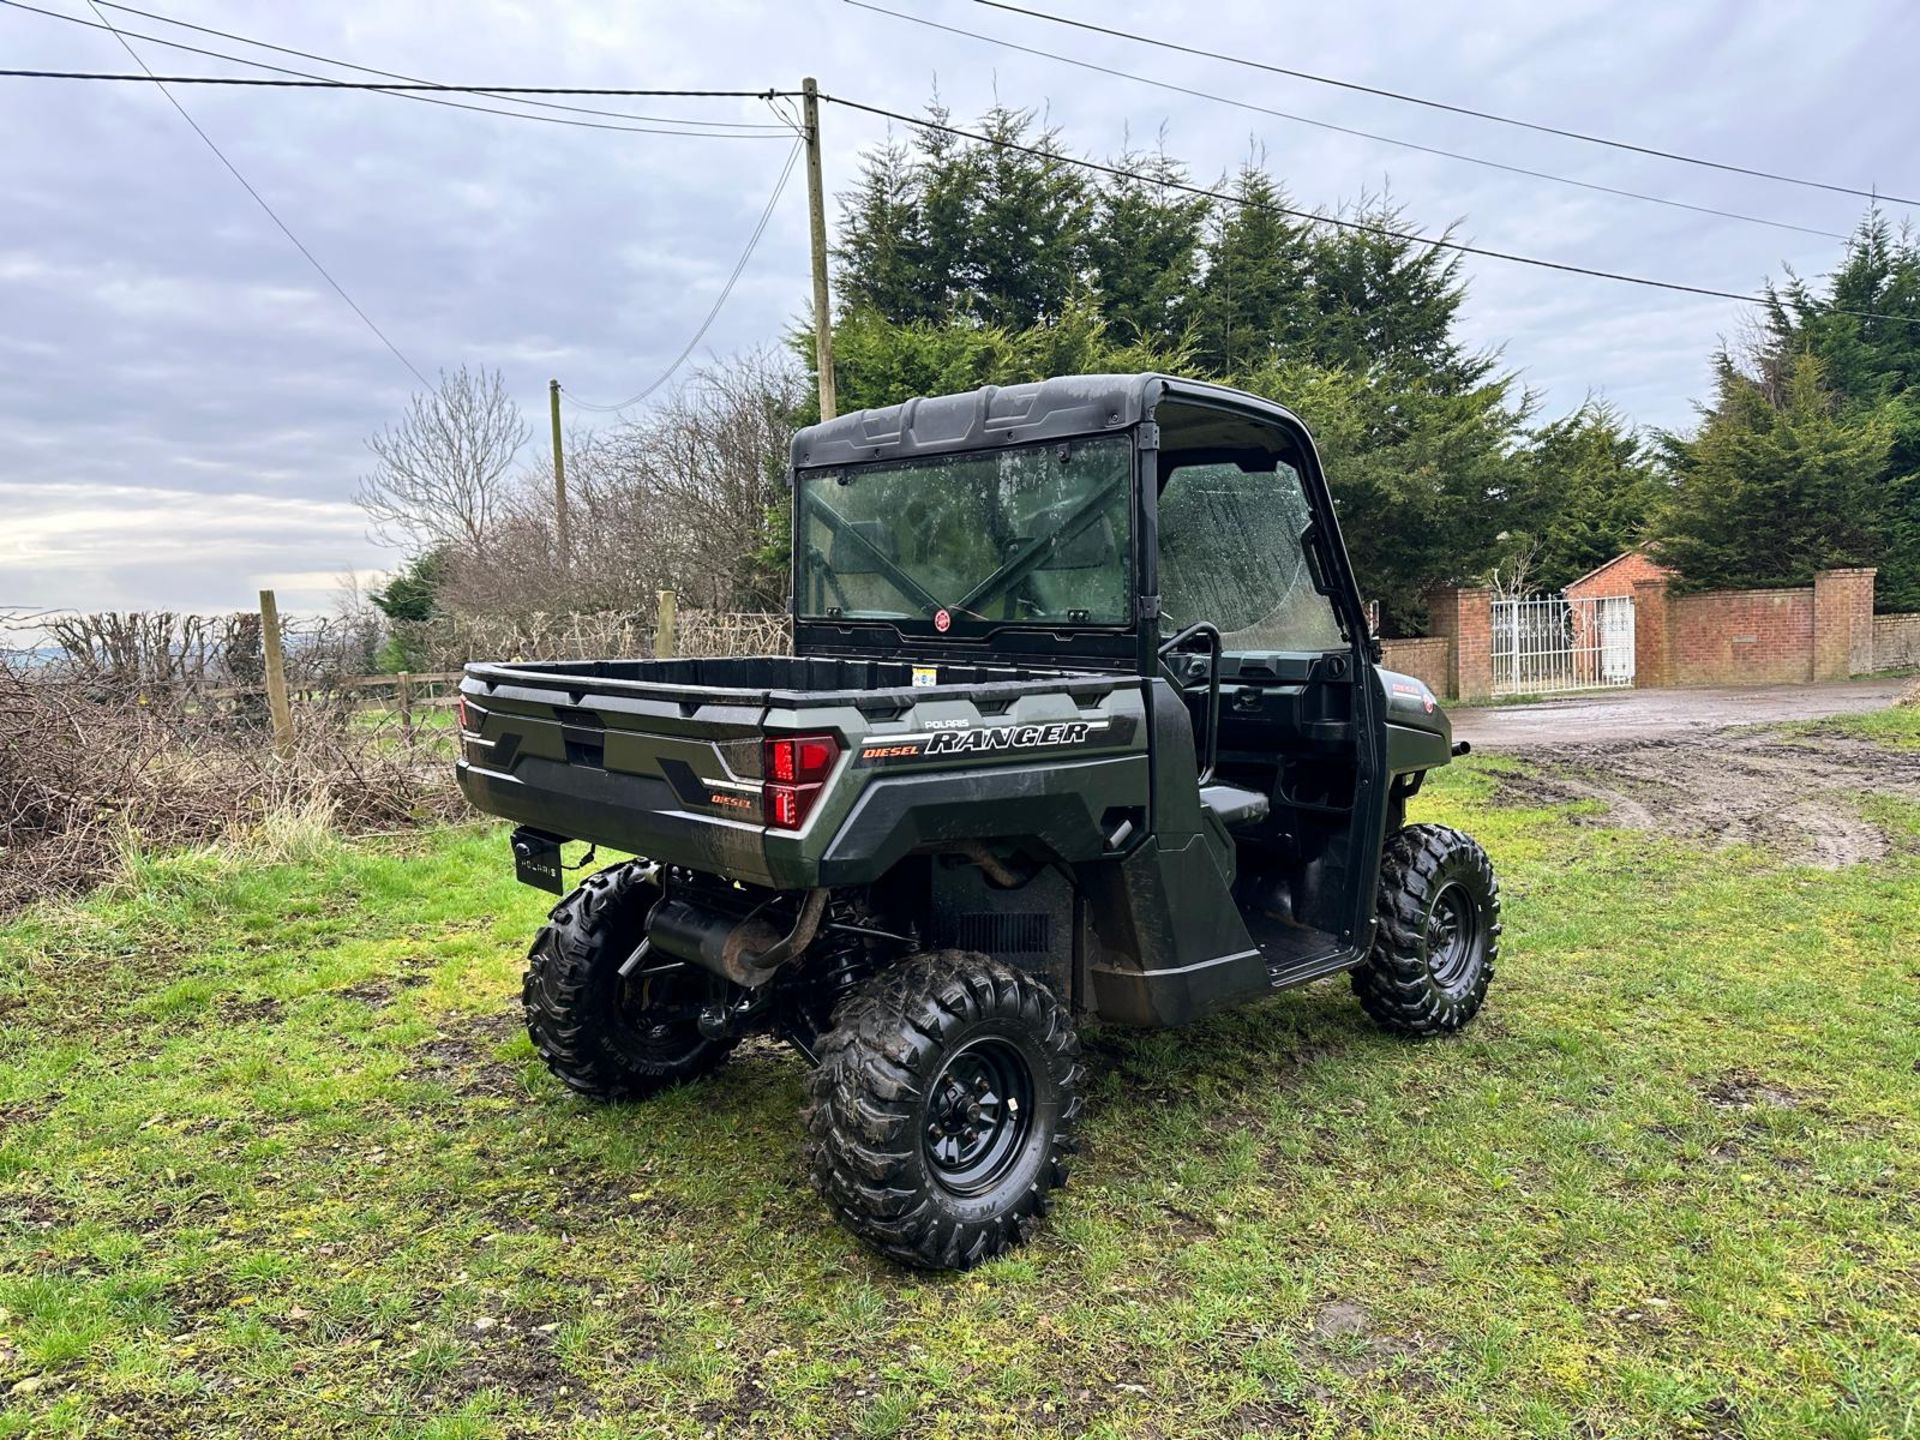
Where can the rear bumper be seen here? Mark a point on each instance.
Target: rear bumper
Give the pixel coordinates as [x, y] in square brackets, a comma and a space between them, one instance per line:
[637, 813]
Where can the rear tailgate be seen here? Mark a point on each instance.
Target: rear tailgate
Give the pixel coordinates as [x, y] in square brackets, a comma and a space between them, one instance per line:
[667, 771]
[664, 759]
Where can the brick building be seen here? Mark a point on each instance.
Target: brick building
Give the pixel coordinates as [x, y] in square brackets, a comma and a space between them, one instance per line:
[1618, 576]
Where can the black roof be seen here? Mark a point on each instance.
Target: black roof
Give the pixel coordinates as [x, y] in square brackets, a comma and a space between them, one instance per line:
[1064, 407]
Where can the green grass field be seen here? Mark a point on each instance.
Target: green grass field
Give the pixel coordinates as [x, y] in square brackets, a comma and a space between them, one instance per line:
[278, 1160]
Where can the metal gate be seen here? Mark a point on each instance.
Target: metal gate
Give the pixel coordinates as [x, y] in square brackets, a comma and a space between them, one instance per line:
[1541, 646]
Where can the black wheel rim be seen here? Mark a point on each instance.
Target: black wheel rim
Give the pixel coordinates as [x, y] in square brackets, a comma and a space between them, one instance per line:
[979, 1114]
[1453, 935]
[658, 1016]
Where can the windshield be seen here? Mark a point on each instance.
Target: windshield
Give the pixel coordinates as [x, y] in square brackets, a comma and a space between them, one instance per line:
[1231, 551]
[1037, 534]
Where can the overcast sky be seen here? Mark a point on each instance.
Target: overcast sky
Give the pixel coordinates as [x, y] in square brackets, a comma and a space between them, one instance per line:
[184, 403]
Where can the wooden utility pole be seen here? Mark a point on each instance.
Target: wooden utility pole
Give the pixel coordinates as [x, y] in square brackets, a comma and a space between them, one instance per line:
[277, 700]
[817, 230]
[565, 536]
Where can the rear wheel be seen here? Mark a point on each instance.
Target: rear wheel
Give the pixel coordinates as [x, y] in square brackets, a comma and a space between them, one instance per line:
[943, 1112]
[605, 1036]
[1438, 934]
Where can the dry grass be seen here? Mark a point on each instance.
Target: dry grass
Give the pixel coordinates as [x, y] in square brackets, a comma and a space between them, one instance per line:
[89, 777]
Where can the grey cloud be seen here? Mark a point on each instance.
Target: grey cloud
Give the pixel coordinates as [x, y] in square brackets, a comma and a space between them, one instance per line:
[183, 403]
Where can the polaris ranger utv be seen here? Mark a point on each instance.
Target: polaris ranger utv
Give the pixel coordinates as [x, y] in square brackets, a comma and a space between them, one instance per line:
[1082, 721]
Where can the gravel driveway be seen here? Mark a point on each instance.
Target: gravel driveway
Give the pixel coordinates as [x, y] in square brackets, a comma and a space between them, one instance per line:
[1664, 714]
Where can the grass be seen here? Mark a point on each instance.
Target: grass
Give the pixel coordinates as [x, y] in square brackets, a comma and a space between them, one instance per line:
[278, 1160]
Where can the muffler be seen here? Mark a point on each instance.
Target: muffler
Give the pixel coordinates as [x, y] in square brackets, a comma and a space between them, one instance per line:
[745, 949]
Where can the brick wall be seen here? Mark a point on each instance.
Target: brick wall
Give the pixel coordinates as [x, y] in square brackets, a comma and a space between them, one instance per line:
[1465, 619]
[1896, 642]
[1652, 634]
[1842, 623]
[1756, 637]
[1741, 637]
[1426, 660]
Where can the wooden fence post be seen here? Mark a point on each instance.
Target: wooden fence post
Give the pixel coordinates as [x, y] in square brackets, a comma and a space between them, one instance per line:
[663, 636]
[277, 700]
[403, 692]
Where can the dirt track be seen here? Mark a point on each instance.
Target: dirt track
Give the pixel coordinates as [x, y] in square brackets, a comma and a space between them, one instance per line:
[1799, 796]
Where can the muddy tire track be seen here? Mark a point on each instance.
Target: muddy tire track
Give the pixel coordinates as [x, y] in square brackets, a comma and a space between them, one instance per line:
[1797, 796]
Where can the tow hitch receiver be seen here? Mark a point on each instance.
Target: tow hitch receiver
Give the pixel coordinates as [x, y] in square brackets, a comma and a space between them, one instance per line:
[536, 859]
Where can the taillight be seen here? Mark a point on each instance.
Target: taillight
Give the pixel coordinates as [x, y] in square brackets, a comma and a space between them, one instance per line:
[460, 712]
[794, 767]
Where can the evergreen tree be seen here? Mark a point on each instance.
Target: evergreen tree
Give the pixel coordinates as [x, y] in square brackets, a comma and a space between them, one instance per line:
[411, 597]
[1143, 248]
[992, 230]
[1584, 491]
[1254, 302]
[1780, 481]
[949, 181]
[1027, 238]
[412, 592]
[882, 252]
[879, 361]
[1386, 299]
[1873, 366]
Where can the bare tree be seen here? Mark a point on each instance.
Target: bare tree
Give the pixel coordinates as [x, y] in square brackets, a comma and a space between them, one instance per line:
[678, 499]
[442, 472]
[711, 457]
[615, 562]
[1512, 579]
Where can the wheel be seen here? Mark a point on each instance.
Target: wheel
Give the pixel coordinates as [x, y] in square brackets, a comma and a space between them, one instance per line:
[943, 1111]
[606, 1037]
[1438, 936]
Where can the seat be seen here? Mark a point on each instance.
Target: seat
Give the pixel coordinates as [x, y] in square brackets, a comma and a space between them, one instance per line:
[1234, 807]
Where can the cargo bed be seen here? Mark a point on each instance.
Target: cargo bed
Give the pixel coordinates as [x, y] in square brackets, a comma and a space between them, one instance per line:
[667, 758]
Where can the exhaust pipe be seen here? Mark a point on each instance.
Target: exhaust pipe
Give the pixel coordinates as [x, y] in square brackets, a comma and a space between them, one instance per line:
[746, 950]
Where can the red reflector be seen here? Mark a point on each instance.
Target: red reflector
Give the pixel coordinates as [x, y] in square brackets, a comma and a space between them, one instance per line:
[795, 767]
[783, 807]
[460, 711]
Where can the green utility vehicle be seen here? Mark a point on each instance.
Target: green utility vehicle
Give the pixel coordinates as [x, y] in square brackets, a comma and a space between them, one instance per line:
[1082, 722]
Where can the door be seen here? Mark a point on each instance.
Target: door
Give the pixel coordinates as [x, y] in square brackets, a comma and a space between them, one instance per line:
[1616, 640]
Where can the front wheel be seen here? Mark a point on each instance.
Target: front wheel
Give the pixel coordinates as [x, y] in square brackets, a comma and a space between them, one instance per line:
[1438, 933]
[943, 1111]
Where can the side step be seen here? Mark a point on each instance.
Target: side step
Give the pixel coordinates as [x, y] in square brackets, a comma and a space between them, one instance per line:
[1286, 971]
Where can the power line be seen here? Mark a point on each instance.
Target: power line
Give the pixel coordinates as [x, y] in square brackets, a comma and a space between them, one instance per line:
[1344, 129]
[1675, 155]
[753, 241]
[308, 80]
[319, 84]
[1334, 221]
[259, 200]
[395, 75]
